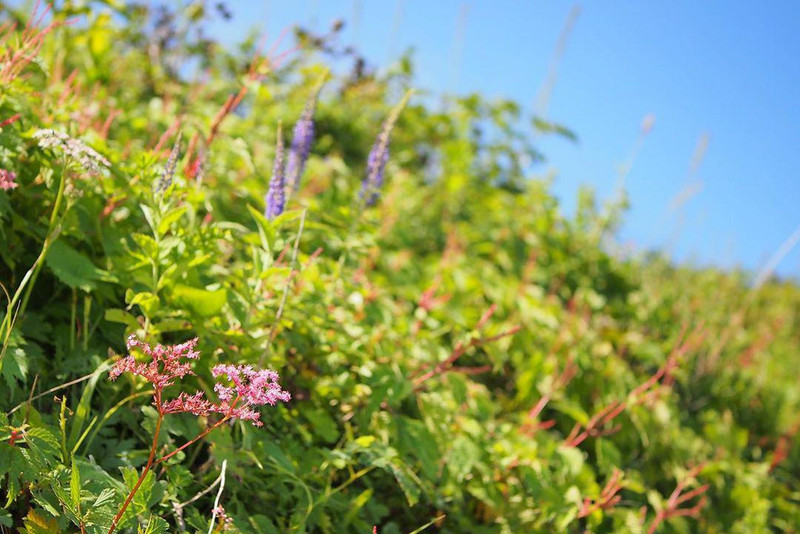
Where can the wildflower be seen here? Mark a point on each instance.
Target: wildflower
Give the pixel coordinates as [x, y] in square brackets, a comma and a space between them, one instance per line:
[197, 167]
[194, 404]
[379, 156]
[87, 157]
[276, 195]
[225, 521]
[7, 180]
[376, 164]
[250, 388]
[169, 169]
[164, 366]
[302, 137]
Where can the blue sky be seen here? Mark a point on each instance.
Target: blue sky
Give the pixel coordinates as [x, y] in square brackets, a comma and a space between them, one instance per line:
[720, 69]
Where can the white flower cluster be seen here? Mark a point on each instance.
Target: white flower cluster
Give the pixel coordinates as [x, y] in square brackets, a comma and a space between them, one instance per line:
[87, 157]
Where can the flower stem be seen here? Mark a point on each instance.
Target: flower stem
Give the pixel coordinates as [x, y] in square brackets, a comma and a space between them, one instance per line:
[197, 438]
[141, 477]
[30, 277]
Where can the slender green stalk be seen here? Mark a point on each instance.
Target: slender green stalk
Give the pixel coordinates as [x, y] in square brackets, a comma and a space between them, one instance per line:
[16, 308]
[87, 307]
[73, 319]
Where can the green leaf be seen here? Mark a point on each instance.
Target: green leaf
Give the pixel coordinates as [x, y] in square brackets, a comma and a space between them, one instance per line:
[573, 458]
[408, 482]
[43, 441]
[35, 523]
[169, 218]
[73, 268]
[141, 502]
[5, 518]
[75, 485]
[462, 457]
[274, 453]
[266, 230]
[155, 525]
[116, 315]
[148, 302]
[322, 424]
[106, 497]
[418, 441]
[84, 406]
[15, 368]
[200, 301]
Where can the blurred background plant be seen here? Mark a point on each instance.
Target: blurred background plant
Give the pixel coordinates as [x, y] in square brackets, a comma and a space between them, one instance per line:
[460, 355]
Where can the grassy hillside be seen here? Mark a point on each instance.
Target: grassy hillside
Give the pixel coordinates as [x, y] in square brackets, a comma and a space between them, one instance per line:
[460, 356]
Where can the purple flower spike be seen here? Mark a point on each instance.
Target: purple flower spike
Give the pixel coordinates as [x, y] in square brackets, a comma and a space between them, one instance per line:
[276, 196]
[379, 156]
[169, 169]
[376, 164]
[302, 138]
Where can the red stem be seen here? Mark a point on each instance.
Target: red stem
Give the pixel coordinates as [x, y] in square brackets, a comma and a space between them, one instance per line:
[142, 476]
[197, 438]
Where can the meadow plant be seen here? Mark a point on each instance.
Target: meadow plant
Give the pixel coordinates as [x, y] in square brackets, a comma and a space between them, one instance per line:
[276, 194]
[378, 157]
[169, 169]
[85, 156]
[302, 137]
[247, 388]
[8, 180]
[376, 164]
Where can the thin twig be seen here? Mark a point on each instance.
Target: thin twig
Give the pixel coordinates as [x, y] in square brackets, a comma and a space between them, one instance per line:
[200, 494]
[30, 397]
[219, 494]
[54, 389]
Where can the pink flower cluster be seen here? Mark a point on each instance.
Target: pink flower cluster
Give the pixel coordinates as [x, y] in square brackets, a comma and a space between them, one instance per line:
[247, 387]
[165, 362]
[225, 521]
[253, 387]
[7, 180]
[250, 388]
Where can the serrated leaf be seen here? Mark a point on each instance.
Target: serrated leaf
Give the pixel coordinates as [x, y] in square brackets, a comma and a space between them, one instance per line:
[15, 368]
[141, 501]
[43, 441]
[106, 497]
[155, 525]
[5, 518]
[408, 483]
[36, 523]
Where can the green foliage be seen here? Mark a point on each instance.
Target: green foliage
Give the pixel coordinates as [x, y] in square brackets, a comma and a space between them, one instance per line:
[462, 357]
